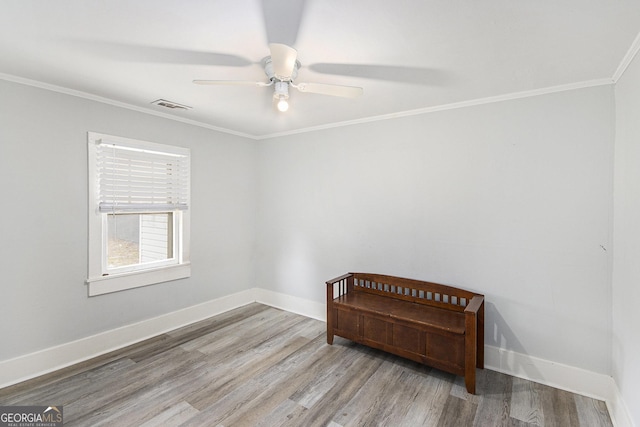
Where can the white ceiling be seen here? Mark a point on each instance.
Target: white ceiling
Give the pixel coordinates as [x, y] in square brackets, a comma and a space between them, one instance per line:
[406, 54]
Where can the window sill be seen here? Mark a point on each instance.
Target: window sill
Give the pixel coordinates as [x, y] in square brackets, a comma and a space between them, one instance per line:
[120, 282]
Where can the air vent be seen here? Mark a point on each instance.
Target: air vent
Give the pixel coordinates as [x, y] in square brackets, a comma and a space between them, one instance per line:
[171, 105]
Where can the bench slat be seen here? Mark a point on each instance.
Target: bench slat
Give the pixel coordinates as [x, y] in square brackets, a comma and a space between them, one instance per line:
[418, 291]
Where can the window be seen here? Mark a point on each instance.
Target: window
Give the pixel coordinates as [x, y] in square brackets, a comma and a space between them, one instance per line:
[138, 213]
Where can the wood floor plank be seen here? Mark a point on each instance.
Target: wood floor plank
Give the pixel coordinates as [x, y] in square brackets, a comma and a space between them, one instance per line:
[173, 416]
[69, 388]
[321, 412]
[220, 321]
[526, 402]
[432, 388]
[513, 422]
[147, 402]
[252, 410]
[251, 340]
[592, 412]
[299, 360]
[366, 399]
[230, 376]
[232, 403]
[118, 391]
[559, 408]
[282, 415]
[310, 393]
[55, 377]
[242, 366]
[398, 408]
[457, 412]
[432, 392]
[234, 333]
[495, 396]
[392, 396]
[459, 388]
[257, 365]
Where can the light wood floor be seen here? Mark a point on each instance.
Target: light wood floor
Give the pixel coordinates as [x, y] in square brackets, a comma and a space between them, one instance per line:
[257, 365]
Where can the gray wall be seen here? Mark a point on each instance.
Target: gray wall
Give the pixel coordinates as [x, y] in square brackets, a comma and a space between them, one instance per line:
[510, 199]
[626, 277]
[43, 168]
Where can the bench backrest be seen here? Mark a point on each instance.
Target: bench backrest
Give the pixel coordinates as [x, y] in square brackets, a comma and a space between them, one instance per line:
[417, 291]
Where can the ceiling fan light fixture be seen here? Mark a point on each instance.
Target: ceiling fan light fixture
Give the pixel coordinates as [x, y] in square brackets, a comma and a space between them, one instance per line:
[283, 105]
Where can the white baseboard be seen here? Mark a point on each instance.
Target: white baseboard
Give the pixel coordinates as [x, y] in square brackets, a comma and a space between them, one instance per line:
[618, 409]
[31, 365]
[564, 377]
[558, 375]
[304, 307]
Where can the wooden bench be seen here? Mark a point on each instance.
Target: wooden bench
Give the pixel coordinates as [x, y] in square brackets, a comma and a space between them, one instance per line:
[440, 326]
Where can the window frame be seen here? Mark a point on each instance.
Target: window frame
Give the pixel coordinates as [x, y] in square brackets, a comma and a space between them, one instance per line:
[101, 281]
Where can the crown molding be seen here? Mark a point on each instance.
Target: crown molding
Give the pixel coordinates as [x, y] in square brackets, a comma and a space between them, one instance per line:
[92, 97]
[624, 64]
[419, 111]
[452, 106]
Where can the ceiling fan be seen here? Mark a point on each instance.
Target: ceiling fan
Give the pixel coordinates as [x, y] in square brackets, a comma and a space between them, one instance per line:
[281, 69]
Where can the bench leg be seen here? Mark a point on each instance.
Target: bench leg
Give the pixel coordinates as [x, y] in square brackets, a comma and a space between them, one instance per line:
[470, 382]
[330, 314]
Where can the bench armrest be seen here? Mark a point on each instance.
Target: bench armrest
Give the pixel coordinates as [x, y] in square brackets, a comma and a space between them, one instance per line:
[345, 284]
[474, 325]
[338, 279]
[475, 304]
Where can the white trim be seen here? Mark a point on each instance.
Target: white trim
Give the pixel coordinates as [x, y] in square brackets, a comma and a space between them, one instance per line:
[41, 362]
[135, 279]
[444, 107]
[564, 377]
[426, 110]
[631, 53]
[305, 307]
[618, 410]
[92, 97]
[558, 375]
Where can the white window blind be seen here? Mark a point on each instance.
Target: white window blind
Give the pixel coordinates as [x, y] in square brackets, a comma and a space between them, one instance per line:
[139, 180]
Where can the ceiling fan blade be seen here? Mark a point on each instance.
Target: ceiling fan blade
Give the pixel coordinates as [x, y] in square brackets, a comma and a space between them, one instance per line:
[392, 73]
[140, 53]
[283, 59]
[231, 82]
[333, 90]
[282, 20]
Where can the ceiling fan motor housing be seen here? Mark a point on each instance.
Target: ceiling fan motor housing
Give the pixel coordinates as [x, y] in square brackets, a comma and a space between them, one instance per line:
[268, 70]
[281, 90]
